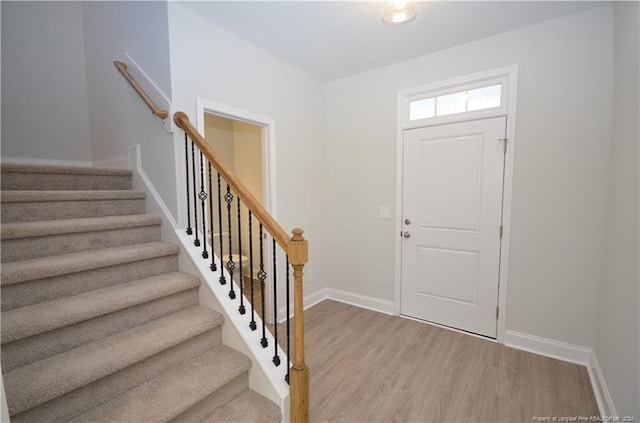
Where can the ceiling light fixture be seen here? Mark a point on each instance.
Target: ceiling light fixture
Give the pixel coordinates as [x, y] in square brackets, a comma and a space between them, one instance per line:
[398, 13]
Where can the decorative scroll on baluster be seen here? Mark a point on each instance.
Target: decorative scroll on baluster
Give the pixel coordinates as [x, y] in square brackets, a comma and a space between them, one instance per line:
[202, 195]
[228, 198]
[222, 278]
[252, 323]
[262, 275]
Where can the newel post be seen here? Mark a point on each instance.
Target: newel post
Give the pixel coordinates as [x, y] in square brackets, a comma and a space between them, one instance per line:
[298, 251]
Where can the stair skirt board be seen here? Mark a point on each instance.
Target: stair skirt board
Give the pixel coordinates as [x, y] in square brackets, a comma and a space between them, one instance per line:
[93, 302]
[264, 377]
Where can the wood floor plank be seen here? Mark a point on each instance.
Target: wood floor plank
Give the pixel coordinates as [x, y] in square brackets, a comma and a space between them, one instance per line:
[371, 367]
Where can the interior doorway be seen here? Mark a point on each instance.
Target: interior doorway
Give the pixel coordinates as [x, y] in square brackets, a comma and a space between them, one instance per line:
[245, 143]
[239, 145]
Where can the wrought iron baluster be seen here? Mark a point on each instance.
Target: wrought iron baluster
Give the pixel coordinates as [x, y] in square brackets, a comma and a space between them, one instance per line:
[222, 279]
[241, 309]
[213, 266]
[276, 357]
[196, 242]
[203, 198]
[186, 159]
[228, 198]
[252, 324]
[286, 378]
[262, 275]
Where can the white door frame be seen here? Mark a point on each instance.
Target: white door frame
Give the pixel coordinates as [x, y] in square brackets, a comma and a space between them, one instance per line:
[507, 74]
[268, 169]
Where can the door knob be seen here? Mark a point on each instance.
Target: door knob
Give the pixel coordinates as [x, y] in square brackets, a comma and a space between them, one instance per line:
[407, 234]
[407, 222]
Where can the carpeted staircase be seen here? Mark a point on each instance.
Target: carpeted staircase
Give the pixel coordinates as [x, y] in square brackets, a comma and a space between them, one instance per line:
[98, 324]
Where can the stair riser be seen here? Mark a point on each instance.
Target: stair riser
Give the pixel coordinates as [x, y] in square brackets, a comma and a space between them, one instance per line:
[56, 181]
[28, 350]
[33, 292]
[53, 210]
[84, 398]
[34, 247]
[206, 407]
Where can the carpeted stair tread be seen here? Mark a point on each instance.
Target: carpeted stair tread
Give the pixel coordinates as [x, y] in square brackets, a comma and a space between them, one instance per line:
[171, 393]
[247, 407]
[46, 267]
[19, 230]
[69, 195]
[46, 177]
[68, 170]
[31, 206]
[43, 317]
[38, 382]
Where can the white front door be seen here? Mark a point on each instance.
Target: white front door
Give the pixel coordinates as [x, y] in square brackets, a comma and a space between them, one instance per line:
[452, 214]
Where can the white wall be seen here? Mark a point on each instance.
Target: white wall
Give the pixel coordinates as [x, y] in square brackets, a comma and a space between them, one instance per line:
[210, 63]
[561, 168]
[118, 116]
[44, 89]
[617, 342]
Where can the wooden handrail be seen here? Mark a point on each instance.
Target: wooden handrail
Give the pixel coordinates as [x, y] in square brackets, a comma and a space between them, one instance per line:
[297, 250]
[122, 67]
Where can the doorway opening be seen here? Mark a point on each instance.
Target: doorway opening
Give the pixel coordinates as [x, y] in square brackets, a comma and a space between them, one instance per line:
[239, 145]
[244, 142]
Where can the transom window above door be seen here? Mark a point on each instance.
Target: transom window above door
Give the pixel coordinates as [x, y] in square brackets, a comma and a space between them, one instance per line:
[459, 100]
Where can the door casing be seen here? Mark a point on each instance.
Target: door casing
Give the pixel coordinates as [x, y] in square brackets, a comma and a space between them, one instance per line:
[508, 74]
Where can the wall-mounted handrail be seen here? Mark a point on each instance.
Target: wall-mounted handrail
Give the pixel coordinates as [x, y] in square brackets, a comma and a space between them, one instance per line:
[295, 247]
[122, 67]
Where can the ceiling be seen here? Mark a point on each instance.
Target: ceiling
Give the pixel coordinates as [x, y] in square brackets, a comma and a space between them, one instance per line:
[334, 39]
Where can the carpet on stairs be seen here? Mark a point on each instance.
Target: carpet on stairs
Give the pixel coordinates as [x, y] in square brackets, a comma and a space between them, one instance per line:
[98, 324]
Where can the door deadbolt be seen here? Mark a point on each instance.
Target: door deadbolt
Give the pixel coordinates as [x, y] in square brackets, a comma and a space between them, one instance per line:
[407, 234]
[407, 222]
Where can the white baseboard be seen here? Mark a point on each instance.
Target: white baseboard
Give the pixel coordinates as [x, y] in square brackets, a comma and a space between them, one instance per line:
[52, 162]
[358, 300]
[548, 347]
[600, 389]
[572, 353]
[316, 297]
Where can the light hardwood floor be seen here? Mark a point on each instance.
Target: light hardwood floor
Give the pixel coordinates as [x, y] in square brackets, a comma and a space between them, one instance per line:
[371, 367]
